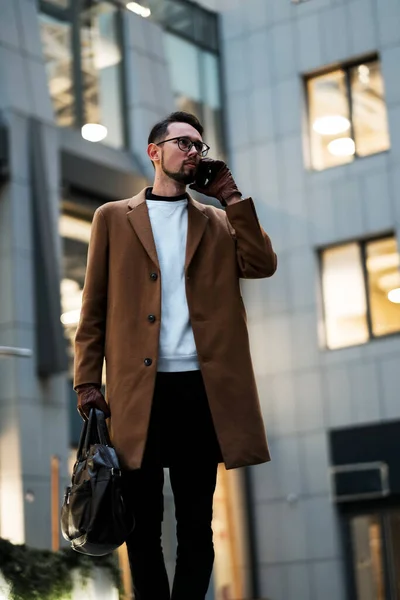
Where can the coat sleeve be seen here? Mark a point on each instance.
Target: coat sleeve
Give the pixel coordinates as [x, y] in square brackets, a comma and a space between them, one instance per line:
[255, 256]
[90, 335]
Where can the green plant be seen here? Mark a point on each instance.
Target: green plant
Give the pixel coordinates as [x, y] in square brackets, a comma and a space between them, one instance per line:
[44, 575]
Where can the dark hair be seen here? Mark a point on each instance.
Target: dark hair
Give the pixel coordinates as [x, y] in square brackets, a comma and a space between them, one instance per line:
[160, 129]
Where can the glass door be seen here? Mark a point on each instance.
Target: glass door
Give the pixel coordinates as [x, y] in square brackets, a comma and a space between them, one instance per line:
[375, 553]
[367, 543]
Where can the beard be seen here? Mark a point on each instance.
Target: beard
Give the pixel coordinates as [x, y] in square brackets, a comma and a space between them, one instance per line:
[180, 176]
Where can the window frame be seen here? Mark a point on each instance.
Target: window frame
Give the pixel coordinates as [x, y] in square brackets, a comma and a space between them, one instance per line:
[71, 15]
[346, 67]
[362, 244]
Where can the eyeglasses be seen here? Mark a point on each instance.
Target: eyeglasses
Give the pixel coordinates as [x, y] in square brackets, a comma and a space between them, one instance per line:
[185, 144]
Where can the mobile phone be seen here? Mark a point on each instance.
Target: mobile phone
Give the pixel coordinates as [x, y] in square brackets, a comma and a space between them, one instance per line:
[205, 173]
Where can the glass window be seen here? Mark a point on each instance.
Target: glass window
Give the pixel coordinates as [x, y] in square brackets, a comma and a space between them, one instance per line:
[184, 66]
[361, 291]
[369, 110]
[383, 267]
[195, 80]
[101, 67]
[85, 49]
[347, 114]
[188, 19]
[344, 296]
[75, 235]
[56, 42]
[212, 106]
[330, 119]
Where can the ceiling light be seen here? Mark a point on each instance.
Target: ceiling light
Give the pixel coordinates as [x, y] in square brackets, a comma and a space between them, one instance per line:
[394, 296]
[331, 125]
[94, 132]
[138, 9]
[342, 147]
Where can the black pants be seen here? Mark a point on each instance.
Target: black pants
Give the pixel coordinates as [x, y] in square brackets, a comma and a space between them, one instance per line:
[182, 437]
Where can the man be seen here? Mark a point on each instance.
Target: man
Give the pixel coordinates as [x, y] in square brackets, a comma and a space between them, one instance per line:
[162, 305]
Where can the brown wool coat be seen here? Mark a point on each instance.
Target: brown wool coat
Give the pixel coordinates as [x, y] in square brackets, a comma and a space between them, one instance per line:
[120, 292]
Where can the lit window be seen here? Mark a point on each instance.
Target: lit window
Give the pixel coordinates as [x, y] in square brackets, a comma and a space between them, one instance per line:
[347, 114]
[361, 291]
[101, 60]
[56, 42]
[383, 271]
[83, 54]
[75, 234]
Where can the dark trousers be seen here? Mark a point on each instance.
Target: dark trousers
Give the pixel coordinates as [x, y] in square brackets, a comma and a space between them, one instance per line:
[182, 437]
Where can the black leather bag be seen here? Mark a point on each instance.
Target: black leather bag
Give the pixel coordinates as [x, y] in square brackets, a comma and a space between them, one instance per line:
[94, 518]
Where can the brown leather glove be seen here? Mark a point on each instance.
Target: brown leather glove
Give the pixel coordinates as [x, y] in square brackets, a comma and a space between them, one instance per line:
[214, 179]
[90, 396]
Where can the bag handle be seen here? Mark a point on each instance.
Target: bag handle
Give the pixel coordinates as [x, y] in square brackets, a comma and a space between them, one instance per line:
[102, 429]
[82, 440]
[94, 431]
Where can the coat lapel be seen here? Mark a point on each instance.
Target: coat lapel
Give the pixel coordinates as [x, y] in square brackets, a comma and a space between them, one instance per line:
[139, 219]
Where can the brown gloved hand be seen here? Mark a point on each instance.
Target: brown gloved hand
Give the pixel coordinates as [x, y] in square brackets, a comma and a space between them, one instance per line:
[90, 396]
[214, 179]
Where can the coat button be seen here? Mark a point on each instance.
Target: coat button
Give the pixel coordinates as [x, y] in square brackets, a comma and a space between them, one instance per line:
[153, 276]
[151, 318]
[148, 362]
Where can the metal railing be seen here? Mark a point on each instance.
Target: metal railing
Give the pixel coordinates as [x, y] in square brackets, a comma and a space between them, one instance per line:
[7, 351]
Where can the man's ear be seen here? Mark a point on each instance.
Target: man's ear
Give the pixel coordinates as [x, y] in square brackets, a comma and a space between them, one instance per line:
[154, 152]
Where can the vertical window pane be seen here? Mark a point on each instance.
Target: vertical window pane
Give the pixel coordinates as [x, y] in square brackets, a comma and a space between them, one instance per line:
[366, 533]
[56, 42]
[330, 130]
[75, 234]
[369, 109]
[344, 296]
[102, 77]
[383, 264]
[184, 66]
[212, 111]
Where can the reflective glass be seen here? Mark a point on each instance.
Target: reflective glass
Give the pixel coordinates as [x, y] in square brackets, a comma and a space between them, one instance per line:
[56, 43]
[330, 128]
[195, 78]
[102, 70]
[184, 67]
[344, 298]
[369, 109]
[212, 109]
[383, 267]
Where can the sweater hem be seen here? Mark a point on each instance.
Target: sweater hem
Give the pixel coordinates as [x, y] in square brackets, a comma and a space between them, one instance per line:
[178, 364]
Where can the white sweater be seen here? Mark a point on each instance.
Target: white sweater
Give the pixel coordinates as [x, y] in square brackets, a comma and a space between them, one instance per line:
[169, 222]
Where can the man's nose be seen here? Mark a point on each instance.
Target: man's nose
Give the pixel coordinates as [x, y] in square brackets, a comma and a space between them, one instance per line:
[192, 151]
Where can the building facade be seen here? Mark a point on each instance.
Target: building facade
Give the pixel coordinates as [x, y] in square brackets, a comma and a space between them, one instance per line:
[313, 105]
[303, 99]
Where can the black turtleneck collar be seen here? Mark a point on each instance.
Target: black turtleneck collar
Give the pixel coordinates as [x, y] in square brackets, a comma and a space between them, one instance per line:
[151, 196]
